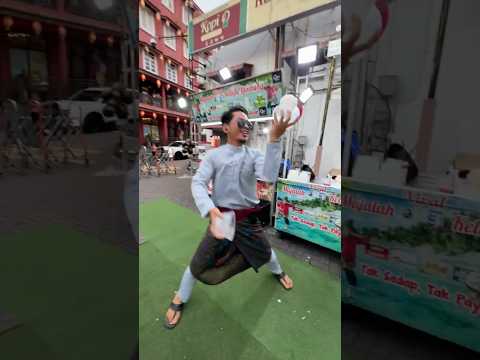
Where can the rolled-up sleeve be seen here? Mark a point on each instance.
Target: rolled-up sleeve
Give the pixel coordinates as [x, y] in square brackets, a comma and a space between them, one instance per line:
[268, 165]
[200, 187]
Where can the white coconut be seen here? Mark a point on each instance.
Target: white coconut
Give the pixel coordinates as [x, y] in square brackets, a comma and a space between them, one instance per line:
[288, 103]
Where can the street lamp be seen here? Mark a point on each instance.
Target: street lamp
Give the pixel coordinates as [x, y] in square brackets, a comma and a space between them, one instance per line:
[182, 103]
[307, 54]
[225, 73]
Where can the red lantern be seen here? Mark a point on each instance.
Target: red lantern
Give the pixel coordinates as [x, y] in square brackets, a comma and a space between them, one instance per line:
[142, 113]
[164, 117]
[168, 86]
[110, 40]
[159, 83]
[37, 28]
[154, 115]
[92, 37]
[185, 121]
[62, 31]
[178, 119]
[7, 22]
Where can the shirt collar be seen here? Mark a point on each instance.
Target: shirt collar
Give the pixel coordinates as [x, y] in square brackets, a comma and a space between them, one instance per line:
[234, 148]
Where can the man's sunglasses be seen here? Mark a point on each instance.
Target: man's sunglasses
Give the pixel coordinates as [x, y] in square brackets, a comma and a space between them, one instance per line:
[244, 124]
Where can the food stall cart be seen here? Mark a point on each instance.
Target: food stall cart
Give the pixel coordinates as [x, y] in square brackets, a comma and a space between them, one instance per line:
[309, 211]
[413, 256]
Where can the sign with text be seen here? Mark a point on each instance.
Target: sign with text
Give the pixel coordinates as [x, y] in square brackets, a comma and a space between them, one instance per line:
[259, 95]
[262, 13]
[413, 256]
[310, 211]
[217, 27]
[240, 17]
[334, 48]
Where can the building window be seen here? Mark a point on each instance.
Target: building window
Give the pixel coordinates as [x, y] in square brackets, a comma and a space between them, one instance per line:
[170, 39]
[147, 20]
[185, 50]
[150, 62]
[169, 4]
[188, 82]
[187, 15]
[172, 73]
[29, 63]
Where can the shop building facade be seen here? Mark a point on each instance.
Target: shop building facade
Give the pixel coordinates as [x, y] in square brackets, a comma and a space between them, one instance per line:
[57, 47]
[166, 70]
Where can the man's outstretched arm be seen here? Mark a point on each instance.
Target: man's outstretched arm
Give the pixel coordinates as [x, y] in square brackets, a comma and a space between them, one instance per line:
[267, 167]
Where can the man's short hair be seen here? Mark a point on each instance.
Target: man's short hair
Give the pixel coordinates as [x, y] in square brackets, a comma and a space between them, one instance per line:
[228, 115]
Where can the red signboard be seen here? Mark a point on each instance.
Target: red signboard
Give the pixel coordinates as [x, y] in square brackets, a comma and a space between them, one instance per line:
[217, 28]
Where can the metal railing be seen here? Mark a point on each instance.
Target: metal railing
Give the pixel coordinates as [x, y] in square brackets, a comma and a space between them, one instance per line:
[31, 139]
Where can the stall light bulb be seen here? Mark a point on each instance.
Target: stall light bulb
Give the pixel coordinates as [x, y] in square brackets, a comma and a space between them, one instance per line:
[182, 103]
[306, 95]
[225, 73]
[307, 54]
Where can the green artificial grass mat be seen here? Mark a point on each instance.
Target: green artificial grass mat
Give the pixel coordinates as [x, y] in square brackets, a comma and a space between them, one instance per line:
[248, 317]
[75, 296]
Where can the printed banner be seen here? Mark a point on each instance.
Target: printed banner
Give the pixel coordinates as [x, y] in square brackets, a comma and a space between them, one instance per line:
[310, 211]
[265, 191]
[413, 256]
[259, 95]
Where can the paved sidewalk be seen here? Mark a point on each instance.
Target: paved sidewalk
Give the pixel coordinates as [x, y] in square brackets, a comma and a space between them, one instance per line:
[71, 195]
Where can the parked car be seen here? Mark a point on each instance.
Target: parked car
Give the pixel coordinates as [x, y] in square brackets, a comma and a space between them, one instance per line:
[179, 152]
[176, 149]
[85, 109]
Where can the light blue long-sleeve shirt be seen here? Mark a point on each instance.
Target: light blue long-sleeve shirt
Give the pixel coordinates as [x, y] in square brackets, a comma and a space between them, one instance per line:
[234, 171]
